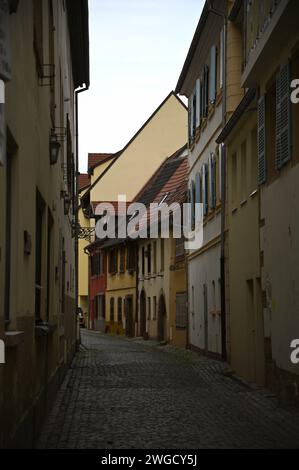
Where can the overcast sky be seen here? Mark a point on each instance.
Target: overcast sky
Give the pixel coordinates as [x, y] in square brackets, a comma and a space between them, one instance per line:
[137, 50]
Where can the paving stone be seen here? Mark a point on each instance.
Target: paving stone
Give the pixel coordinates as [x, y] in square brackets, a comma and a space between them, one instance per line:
[130, 394]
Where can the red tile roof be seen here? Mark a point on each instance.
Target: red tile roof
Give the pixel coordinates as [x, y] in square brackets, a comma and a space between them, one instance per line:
[83, 181]
[95, 159]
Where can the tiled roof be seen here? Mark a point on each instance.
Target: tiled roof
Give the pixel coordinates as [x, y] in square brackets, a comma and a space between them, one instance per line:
[83, 181]
[160, 178]
[170, 179]
[95, 159]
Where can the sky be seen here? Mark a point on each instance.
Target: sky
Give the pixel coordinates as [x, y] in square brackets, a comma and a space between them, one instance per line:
[137, 51]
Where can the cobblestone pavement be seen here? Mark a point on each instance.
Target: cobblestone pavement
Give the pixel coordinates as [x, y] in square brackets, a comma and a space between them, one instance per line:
[132, 394]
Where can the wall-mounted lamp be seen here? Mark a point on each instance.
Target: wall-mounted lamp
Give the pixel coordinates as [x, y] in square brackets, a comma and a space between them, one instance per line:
[54, 148]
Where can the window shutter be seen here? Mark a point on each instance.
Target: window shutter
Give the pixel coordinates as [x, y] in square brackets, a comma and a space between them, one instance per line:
[194, 113]
[213, 180]
[206, 92]
[262, 169]
[190, 111]
[221, 57]
[205, 189]
[192, 203]
[219, 152]
[283, 117]
[198, 98]
[213, 74]
[198, 188]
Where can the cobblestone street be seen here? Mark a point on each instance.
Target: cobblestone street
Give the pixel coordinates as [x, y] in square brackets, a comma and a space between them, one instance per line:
[122, 393]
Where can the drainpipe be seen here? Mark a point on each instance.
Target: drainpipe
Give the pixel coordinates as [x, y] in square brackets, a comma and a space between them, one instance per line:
[223, 188]
[223, 201]
[80, 90]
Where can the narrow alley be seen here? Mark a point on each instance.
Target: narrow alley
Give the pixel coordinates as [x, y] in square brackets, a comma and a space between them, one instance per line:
[130, 394]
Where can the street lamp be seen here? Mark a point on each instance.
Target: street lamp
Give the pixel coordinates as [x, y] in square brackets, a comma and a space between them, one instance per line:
[54, 148]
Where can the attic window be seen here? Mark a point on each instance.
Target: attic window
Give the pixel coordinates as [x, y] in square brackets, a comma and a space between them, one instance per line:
[163, 199]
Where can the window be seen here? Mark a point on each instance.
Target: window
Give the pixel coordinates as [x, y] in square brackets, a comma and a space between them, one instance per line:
[162, 253]
[206, 92]
[149, 258]
[119, 310]
[270, 131]
[253, 162]
[213, 180]
[181, 310]
[192, 204]
[243, 184]
[213, 75]
[113, 261]
[96, 263]
[122, 259]
[149, 308]
[100, 306]
[205, 178]
[112, 309]
[131, 258]
[179, 247]
[155, 308]
[143, 261]
[155, 257]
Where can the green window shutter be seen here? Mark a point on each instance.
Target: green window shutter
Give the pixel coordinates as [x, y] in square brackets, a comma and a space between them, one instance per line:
[261, 118]
[283, 117]
[198, 99]
[213, 74]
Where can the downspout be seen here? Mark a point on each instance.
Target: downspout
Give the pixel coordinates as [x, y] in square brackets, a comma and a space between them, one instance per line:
[223, 188]
[80, 90]
[223, 201]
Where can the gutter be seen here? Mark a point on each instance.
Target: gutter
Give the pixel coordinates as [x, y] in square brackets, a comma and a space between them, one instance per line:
[77, 92]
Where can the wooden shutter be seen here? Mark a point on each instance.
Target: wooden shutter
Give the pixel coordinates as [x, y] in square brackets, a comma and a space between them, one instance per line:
[283, 117]
[261, 138]
[213, 74]
[198, 99]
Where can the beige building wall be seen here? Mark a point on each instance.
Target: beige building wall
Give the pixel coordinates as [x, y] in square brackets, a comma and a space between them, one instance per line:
[163, 134]
[154, 284]
[246, 319]
[38, 350]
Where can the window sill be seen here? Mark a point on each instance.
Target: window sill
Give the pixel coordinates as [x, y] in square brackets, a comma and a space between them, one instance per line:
[13, 338]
